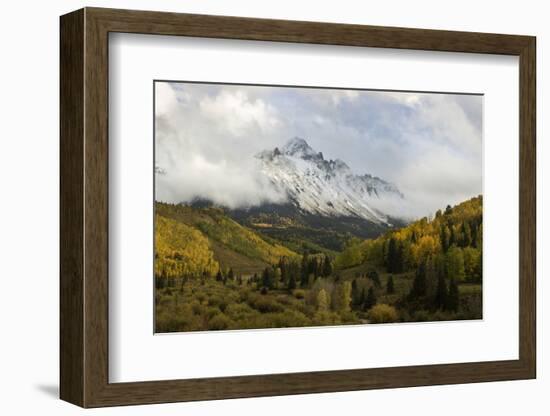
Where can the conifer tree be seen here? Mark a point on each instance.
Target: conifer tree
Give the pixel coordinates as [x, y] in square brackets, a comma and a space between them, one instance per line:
[370, 300]
[291, 283]
[390, 288]
[355, 293]
[373, 275]
[267, 278]
[453, 297]
[304, 271]
[327, 266]
[440, 301]
[391, 262]
[419, 287]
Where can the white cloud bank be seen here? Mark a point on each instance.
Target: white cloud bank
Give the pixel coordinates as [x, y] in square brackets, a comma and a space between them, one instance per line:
[429, 145]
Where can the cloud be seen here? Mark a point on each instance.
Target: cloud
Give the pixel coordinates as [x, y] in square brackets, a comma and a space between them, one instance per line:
[205, 143]
[429, 145]
[238, 113]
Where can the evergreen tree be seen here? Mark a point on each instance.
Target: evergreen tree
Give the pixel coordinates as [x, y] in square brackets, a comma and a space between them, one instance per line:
[419, 287]
[355, 293]
[314, 267]
[440, 301]
[219, 276]
[453, 297]
[452, 236]
[291, 283]
[373, 275]
[304, 271]
[444, 238]
[392, 259]
[399, 259]
[230, 274]
[267, 278]
[327, 266]
[362, 298]
[284, 270]
[467, 235]
[370, 300]
[390, 288]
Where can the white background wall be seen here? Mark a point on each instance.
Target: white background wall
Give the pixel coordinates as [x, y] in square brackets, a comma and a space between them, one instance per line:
[29, 208]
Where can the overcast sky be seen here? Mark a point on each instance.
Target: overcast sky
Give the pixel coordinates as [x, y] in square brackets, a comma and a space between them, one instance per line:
[429, 145]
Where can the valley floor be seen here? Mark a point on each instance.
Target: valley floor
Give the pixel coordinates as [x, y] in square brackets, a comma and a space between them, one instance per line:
[200, 305]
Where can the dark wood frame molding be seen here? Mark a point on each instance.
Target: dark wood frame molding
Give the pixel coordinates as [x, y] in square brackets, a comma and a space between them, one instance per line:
[84, 207]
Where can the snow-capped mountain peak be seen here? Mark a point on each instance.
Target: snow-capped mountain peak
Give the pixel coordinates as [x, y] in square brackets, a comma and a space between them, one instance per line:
[326, 187]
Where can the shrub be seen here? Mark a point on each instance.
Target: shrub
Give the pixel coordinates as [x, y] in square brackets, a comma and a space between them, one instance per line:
[382, 313]
[299, 294]
[266, 304]
[218, 322]
[289, 318]
[421, 316]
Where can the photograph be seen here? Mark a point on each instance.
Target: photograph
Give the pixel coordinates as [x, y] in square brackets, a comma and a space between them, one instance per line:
[282, 206]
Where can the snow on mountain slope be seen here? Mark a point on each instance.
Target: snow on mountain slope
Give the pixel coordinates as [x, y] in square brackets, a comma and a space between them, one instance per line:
[326, 187]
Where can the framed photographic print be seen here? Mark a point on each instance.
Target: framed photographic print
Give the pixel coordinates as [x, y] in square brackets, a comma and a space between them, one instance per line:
[256, 207]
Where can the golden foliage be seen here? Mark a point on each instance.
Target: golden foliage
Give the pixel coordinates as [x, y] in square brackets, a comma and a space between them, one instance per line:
[181, 250]
[382, 313]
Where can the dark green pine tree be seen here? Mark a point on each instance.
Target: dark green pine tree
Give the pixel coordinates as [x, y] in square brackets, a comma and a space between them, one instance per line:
[444, 238]
[284, 270]
[327, 266]
[373, 275]
[313, 267]
[267, 278]
[291, 283]
[390, 288]
[441, 294]
[355, 293]
[219, 276]
[453, 297]
[370, 300]
[362, 298]
[452, 237]
[231, 275]
[419, 287]
[391, 261]
[399, 258]
[304, 271]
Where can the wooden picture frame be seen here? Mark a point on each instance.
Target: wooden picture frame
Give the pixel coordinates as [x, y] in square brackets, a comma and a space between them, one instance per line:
[84, 207]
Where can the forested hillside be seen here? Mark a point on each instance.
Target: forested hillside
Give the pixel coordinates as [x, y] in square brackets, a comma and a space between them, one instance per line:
[438, 255]
[181, 250]
[453, 237]
[231, 244]
[213, 273]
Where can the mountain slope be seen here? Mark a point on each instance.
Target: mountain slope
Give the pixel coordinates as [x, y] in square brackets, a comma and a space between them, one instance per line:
[181, 250]
[231, 243]
[457, 229]
[326, 188]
